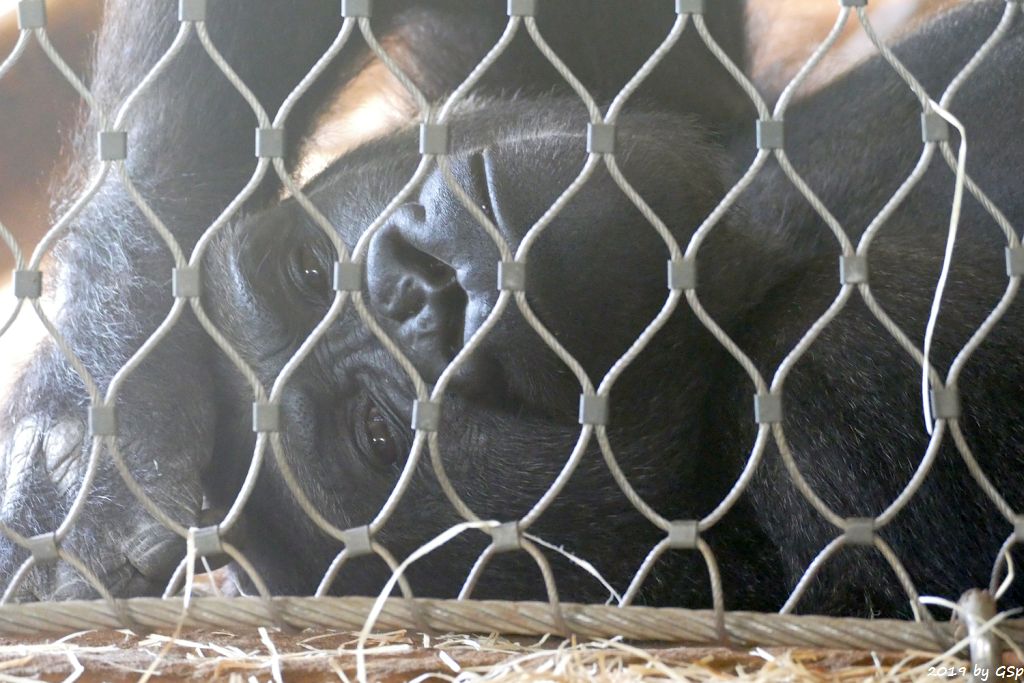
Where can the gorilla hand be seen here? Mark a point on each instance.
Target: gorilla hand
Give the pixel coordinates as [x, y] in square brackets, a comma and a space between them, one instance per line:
[52, 460]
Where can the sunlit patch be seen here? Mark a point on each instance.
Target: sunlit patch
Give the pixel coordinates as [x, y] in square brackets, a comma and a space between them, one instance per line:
[783, 35]
[20, 340]
[372, 105]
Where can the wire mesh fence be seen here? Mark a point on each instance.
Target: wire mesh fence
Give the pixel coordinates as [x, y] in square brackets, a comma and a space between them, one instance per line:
[110, 453]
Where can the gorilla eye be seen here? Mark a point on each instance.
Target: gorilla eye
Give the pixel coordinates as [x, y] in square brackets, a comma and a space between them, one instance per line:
[309, 273]
[383, 448]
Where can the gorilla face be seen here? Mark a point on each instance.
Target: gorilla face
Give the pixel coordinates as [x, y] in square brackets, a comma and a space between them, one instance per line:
[346, 367]
[510, 409]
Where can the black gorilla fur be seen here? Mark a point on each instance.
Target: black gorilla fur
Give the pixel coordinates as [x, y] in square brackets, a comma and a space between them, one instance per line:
[681, 420]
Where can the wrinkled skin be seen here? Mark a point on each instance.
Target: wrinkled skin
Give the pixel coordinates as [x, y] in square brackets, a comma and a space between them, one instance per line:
[680, 419]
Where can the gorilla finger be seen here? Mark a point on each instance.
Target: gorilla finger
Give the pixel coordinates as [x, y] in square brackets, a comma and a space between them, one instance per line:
[154, 551]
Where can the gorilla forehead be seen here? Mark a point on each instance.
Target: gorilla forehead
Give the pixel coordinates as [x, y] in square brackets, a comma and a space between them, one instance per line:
[531, 141]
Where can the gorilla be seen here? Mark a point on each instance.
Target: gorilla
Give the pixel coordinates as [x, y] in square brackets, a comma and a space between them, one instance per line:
[833, 452]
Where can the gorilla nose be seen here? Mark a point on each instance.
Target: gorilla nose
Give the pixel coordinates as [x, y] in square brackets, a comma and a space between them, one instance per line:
[416, 294]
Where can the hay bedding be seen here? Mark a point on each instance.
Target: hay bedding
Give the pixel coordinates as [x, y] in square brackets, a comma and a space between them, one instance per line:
[118, 656]
[274, 656]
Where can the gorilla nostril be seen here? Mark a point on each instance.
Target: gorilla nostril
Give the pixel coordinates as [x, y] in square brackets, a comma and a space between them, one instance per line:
[416, 292]
[405, 300]
[409, 280]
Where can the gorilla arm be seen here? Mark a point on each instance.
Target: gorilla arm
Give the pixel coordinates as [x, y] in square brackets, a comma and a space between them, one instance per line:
[189, 152]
